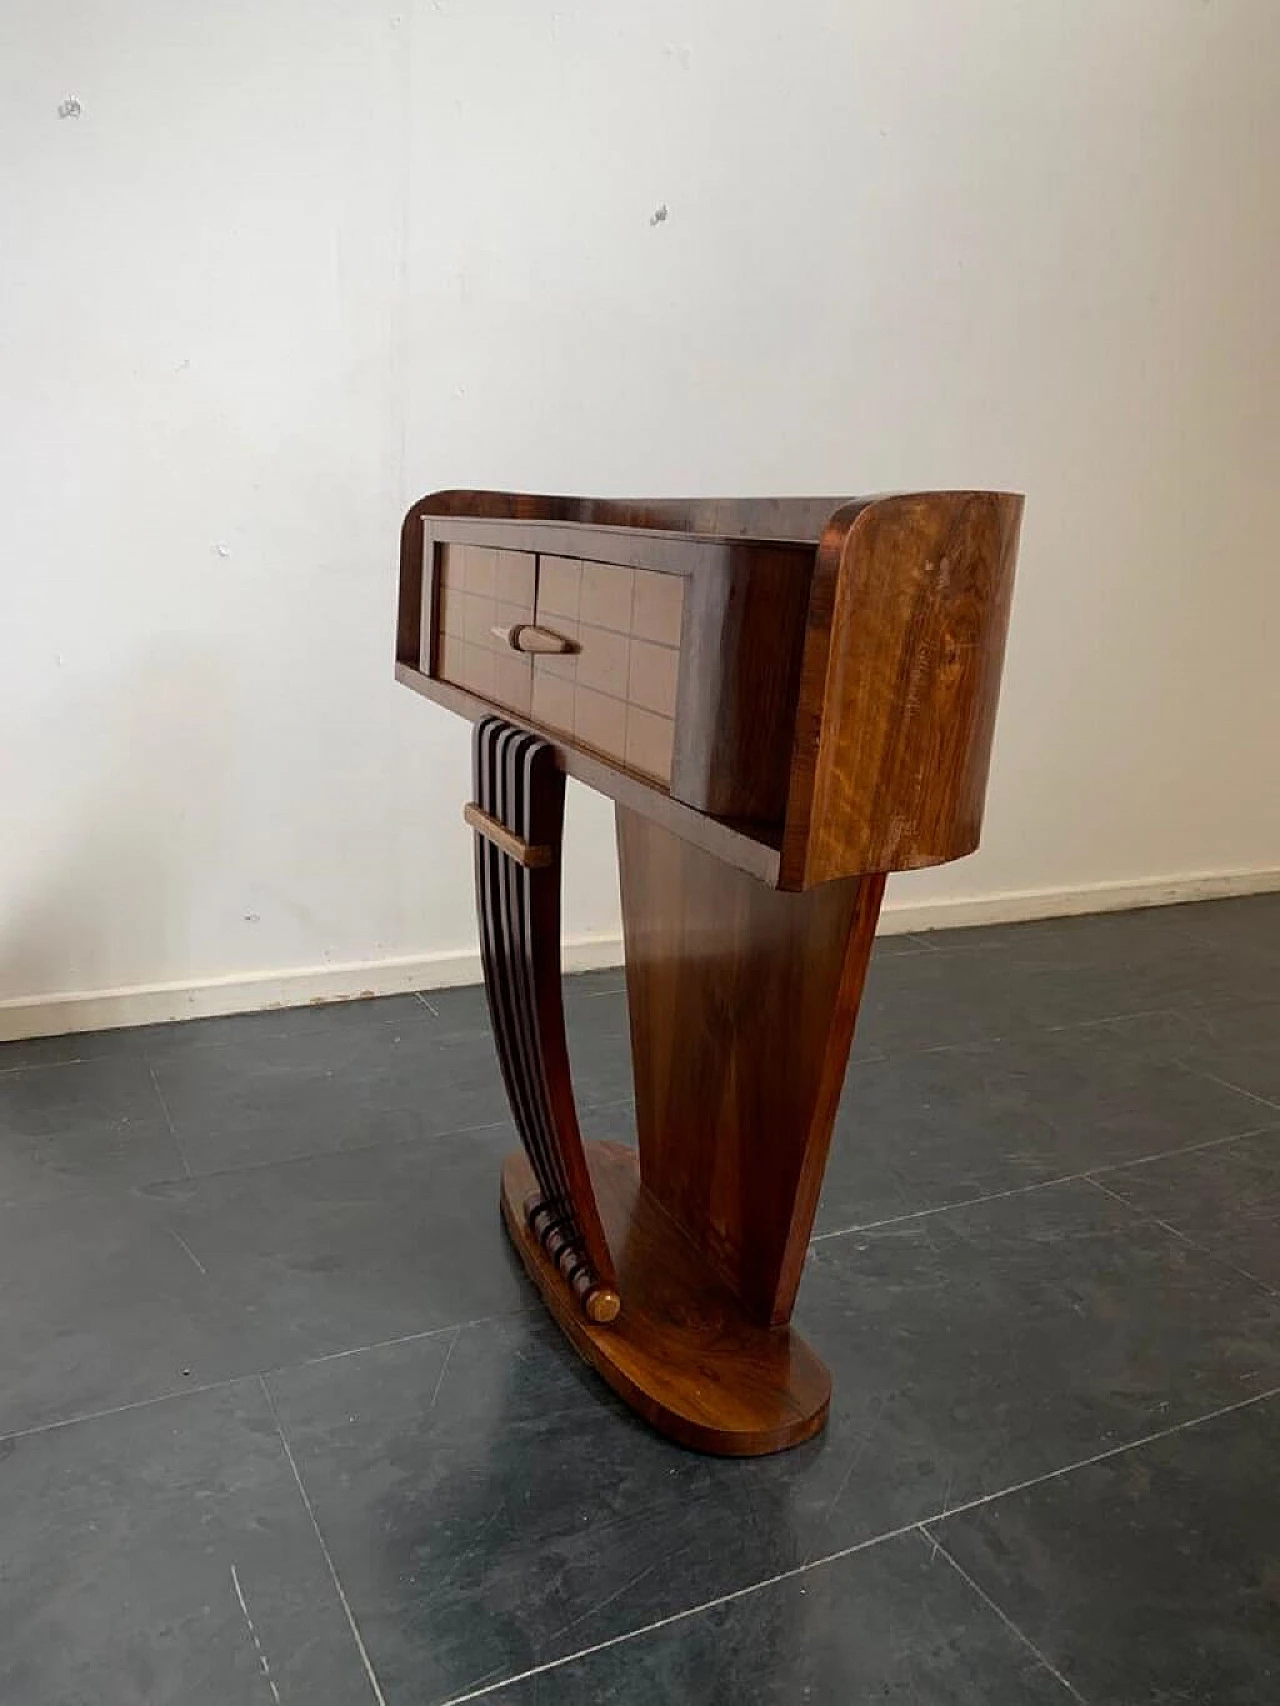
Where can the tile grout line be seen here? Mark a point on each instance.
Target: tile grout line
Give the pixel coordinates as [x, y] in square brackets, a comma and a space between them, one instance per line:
[444, 1367]
[485, 1690]
[142, 1188]
[944, 1208]
[181, 1242]
[138, 1051]
[262, 1656]
[456, 1328]
[119, 1409]
[1241, 1091]
[920, 1524]
[329, 1154]
[1116, 1018]
[168, 1119]
[1089, 1173]
[937, 1546]
[180, 1392]
[43, 1065]
[356, 1636]
[1191, 1243]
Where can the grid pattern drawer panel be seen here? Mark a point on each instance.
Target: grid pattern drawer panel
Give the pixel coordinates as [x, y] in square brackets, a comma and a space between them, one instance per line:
[481, 589]
[617, 692]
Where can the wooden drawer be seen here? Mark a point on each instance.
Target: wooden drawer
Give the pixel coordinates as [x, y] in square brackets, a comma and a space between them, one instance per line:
[836, 661]
[480, 591]
[681, 660]
[616, 692]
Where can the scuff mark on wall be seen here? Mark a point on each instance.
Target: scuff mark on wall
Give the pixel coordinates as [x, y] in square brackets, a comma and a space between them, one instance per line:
[70, 108]
[659, 214]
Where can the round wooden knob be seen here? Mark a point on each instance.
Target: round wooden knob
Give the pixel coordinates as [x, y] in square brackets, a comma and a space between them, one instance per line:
[603, 1306]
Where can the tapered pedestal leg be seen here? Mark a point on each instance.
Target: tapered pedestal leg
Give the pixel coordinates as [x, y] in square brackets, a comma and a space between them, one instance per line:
[743, 1002]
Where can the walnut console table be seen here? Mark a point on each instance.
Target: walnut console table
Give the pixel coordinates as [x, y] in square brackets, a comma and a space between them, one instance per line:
[786, 700]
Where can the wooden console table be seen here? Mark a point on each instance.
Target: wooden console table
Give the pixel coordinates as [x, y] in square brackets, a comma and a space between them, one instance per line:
[786, 699]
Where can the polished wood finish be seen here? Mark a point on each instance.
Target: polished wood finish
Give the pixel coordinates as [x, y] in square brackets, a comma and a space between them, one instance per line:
[798, 519]
[481, 596]
[683, 1351]
[863, 640]
[521, 790]
[756, 848]
[524, 637]
[742, 1003]
[615, 690]
[901, 674]
[677, 658]
[531, 858]
[740, 672]
[786, 699]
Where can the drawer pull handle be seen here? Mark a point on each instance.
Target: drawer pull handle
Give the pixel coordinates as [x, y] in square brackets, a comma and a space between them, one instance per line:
[524, 637]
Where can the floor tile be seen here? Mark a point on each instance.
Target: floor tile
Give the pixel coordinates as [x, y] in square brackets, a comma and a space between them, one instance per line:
[119, 1297]
[101, 1307]
[1248, 925]
[458, 1012]
[336, 1019]
[71, 1046]
[918, 1130]
[480, 1495]
[980, 1347]
[615, 1121]
[120, 1539]
[1152, 1576]
[1226, 1197]
[599, 1032]
[340, 1250]
[1063, 971]
[280, 1097]
[491, 1507]
[596, 1022]
[1237, 1043]
[157, 1041]
[82, 1126]
[902, 942]
[894, 1623]
[934, 1000]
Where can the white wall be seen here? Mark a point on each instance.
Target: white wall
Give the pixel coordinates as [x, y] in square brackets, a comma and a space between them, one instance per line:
[298, 261]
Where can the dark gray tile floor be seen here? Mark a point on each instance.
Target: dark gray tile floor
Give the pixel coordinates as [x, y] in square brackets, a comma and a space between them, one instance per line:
[280, 1422]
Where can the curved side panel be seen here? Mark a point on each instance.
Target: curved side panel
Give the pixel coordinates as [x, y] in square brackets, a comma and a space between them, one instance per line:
[901, 678]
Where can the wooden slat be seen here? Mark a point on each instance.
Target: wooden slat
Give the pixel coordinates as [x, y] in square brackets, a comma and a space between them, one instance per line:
[532, 858]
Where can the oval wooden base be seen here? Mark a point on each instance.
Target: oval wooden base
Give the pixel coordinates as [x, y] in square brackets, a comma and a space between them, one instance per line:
[683, 1352]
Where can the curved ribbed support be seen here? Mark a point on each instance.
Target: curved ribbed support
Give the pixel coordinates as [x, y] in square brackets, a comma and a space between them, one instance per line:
[518, 817]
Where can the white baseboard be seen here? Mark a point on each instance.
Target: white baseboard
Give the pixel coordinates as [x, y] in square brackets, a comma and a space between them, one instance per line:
[1020, 906]
[298, 986]
[158, 1003]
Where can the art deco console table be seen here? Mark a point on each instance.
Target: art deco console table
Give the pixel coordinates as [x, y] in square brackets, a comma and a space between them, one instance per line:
[786, 699]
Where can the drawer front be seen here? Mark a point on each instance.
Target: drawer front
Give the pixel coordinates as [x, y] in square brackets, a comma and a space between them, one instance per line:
[616, 693]
[478, 590]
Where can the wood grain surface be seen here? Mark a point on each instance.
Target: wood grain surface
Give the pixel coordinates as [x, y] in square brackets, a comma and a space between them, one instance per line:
[682, 1351]
[742, 1004]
